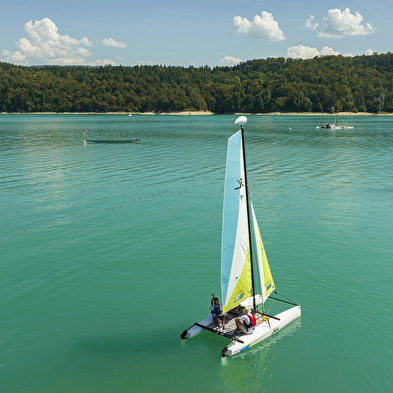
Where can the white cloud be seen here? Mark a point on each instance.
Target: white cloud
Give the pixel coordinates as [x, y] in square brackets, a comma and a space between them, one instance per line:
[102, 62]
[302, 52]
[44, 45]
[343, 23]
[263, 26]
[310, 23]
[229, 60]
[112, 42]
[15, 57]
[326, 51]
[306, 52]
[369, 52]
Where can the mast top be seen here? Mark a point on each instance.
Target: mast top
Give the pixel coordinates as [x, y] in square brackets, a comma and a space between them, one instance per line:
[241, 120]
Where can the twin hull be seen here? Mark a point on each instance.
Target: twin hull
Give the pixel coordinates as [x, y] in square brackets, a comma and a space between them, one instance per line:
[261, 332]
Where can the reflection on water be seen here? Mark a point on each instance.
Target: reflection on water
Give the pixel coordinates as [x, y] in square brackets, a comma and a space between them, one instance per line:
[249, 370]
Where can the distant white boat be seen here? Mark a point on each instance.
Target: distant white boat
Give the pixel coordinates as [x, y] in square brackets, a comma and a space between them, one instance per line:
[334, 126]
[244, 265]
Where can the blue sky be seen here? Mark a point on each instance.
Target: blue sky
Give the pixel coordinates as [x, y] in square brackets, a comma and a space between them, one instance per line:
[185, 33]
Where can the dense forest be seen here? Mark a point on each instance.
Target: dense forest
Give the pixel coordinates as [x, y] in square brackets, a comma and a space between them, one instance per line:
[357, 84]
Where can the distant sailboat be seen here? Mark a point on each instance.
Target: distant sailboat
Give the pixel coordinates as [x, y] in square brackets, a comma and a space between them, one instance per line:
[334, 126]
[111, 140]
[240, 279]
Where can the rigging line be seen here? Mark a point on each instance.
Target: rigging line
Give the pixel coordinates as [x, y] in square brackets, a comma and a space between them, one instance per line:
[284, 296]
[284, 301]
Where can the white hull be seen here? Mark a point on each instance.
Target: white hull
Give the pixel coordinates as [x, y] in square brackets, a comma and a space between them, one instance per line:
[333, 127]
[240, 343]
[262, 331]
[195, 330]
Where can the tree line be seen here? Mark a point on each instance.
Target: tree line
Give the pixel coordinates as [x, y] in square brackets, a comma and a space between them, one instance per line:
[357, 84]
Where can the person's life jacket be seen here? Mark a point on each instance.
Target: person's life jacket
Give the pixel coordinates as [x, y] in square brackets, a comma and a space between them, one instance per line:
[253, 320]
[216, 309]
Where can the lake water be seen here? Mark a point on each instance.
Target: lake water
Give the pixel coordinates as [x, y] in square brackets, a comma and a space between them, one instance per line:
[110, 251]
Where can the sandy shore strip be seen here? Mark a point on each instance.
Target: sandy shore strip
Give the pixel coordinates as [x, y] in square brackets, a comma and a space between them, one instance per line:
[203, 113]
[183, 113]
[325, 114]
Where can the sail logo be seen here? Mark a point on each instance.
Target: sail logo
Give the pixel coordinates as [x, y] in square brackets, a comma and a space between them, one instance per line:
[239, 297]
[241, 184]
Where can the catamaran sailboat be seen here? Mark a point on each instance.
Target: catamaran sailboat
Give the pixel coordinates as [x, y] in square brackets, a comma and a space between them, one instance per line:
[246, 279]
[334, 126]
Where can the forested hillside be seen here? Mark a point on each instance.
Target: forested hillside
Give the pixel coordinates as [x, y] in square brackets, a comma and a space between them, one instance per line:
[358, 84]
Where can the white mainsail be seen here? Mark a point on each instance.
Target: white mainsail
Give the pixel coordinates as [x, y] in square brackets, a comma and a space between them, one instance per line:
[236, 272]
[236, 281]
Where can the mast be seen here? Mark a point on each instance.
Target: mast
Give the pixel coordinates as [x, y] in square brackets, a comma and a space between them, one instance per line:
[248, 218]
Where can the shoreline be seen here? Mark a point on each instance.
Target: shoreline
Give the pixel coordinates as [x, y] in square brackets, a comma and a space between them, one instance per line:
[202, 113]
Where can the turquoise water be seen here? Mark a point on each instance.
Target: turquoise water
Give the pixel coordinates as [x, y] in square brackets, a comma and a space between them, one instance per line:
[110, 251]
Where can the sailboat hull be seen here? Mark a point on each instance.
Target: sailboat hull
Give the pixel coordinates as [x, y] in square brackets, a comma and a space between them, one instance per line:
[240, 343]
[197, 328]
[334, 127]
[262, 331]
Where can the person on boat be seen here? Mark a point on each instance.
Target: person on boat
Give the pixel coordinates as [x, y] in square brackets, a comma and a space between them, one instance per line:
[246, 323]
[216, 311]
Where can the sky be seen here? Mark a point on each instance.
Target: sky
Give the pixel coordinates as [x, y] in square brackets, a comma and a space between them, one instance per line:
[189, 33]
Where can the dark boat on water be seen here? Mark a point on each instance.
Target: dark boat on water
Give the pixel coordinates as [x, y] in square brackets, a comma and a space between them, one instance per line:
[112, 140]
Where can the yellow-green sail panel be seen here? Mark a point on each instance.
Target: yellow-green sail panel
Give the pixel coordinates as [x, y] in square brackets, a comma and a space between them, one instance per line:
[265, 275]
[242, 286]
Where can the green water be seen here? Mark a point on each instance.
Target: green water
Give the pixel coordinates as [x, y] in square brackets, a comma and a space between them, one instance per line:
[110, 251]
